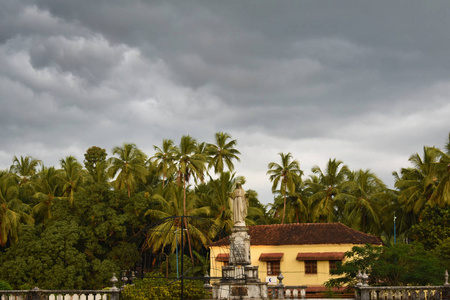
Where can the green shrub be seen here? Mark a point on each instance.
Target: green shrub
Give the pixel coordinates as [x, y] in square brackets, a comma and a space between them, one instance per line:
[4, 285]
[159, 288]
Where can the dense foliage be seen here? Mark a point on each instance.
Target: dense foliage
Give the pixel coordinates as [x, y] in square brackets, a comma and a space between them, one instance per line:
[77, 223]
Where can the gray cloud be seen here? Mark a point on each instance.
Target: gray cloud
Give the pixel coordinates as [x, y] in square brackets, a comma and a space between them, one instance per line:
[363, 82]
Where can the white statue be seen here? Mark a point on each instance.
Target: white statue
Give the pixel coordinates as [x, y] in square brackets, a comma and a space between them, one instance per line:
[239, 206]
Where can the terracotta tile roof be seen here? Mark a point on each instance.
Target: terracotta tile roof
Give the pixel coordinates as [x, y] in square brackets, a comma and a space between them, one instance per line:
[320, 256]
[304, 234]
[270, 256]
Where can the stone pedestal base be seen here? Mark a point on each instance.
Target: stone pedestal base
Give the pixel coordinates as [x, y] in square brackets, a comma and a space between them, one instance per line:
[240, 246]
[240, 291]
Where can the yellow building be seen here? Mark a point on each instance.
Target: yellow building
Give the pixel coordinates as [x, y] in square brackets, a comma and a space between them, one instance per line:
[304, 253]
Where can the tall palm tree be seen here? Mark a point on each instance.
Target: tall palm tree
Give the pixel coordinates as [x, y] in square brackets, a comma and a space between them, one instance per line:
[325, 186]
[164, 158]
[170, 209]
[285, 175]
[256, 211]
[441, 195]
[219, 192]
[222, 153]
[12, 211]
[48, 190]
[25, 167]
[361, 194]
[129, 167]
[392, 209]
[417, 184]
[72, 177]
[190, 163]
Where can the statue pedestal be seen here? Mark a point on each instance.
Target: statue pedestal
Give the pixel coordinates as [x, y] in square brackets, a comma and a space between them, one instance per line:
[240, 279]
[239, 246]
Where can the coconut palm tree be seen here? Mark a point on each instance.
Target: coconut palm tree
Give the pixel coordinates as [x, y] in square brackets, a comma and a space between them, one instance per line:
[361, 195]
[297, 205]
[25, 167]
[325, 186]
[48, 190]
[222, 153]
[12, 211]
[218, 199]
[441, 194]
[72, 177]
[189, 163]
[129, 167]
[284, 175]
[417, 184]
[392, 209]
[164, 158]
[169, 214]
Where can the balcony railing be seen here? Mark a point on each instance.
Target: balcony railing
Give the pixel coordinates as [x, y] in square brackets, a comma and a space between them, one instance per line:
[287, 292]
[112, 293]
[365, 292]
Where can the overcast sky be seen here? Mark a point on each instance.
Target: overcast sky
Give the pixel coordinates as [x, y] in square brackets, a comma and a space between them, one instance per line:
[366, 82]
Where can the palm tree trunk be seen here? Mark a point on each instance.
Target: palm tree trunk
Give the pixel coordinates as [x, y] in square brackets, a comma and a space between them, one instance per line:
[185, 221]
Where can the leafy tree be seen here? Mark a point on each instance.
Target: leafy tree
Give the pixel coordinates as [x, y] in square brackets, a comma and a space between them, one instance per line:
[442, 252]
[4, 286]
[95, 163]
[129, 167]
[433, 227]
[401, 264]
[49, 257]
[286, 175]
[103, 212]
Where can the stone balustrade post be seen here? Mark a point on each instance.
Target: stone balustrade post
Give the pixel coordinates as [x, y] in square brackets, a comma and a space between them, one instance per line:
[280, 286]
[363, 281]
[207, 285]
[446, 289]
[35, 294]
[116, 291]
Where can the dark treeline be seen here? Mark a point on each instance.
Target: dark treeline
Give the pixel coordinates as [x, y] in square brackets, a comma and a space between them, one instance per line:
[72, 226]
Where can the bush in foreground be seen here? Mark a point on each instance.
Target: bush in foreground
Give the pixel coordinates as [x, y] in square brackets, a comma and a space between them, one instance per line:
[159, 288]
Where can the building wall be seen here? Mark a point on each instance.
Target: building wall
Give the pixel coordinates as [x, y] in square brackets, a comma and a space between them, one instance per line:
[292, 269]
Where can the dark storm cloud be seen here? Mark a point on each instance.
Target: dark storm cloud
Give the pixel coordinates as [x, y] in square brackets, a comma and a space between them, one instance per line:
[365, 82]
